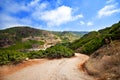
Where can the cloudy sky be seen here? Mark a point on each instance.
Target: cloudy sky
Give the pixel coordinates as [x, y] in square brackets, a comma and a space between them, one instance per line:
[59, 15]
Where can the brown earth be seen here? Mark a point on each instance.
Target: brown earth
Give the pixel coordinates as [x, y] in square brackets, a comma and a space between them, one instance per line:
[105, 62]
[56, 69]
[9, 69]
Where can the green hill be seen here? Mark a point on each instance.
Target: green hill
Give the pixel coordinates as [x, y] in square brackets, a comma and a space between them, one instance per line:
[104, 62]
[19, 43]
[68, 36]
[14, 35]
[24, 37]
[95, 39]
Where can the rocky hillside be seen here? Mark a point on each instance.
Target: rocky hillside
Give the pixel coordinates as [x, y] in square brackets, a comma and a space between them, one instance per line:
[69, 36]
[27, 37]
[103, 46]
[94, 40]
[21, 35]
[105, 62]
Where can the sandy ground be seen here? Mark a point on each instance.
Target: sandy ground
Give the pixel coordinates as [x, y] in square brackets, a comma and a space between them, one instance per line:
[56, 69]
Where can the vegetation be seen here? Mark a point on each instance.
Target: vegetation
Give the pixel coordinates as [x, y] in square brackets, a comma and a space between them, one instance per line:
[95, 39]
[14, 43]
[14, 35]
[23, 45]
[87, 44]
[68, 36]
[58, 52]
[104, 63]
[12, 56]
[36, 54]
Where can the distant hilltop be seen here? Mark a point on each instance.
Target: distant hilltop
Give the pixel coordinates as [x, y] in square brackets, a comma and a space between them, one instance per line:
[22, 34]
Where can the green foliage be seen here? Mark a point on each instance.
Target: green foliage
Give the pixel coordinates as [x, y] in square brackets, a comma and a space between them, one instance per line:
[92, 45]
[58, 52]
[86, 38]
[36, 54]
[11, 36]
[10, 56]
[23, 45]
[67, 36]
[94, 40]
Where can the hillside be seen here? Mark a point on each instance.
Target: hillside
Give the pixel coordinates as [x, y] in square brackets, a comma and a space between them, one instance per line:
[69, 36]
[33, 38]
[94, 40]
[103, 46]
[105, 62]
[18, 35]
[20, 43]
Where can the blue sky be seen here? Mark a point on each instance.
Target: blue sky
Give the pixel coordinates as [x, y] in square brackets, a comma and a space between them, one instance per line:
[60, 15]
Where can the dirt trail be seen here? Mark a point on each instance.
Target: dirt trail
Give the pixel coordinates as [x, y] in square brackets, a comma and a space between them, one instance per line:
[56, 69]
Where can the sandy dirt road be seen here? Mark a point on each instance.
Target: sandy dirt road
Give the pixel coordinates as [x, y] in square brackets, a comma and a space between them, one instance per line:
[56, 69]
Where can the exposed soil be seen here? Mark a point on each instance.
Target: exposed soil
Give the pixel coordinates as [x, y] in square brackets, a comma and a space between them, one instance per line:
[105, 62]
[56, 69]
[9, 69]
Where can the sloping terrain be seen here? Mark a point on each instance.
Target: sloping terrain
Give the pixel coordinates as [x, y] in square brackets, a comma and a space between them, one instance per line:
[103, 46]
[56, 69]
[69, 36]
[21, 35]
[33, 38]
[20, 43]
[105, 62]
[94, 40]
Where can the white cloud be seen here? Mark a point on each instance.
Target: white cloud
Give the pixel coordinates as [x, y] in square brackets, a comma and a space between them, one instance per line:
[89, 23]
[82, 22]
[108, 10]
[59, 16]
[13, 7]
[10, 21]
[37, 11]
[59, 2]
[78, 16]
[110, 1]
[34, 3]
[36, 6]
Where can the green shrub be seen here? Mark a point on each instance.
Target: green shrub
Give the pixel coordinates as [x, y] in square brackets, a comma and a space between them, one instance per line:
[23, 45]
[10, 56]
[36, 54]
[86, 38]
[58, 52]
[92, 45]
[94, 40]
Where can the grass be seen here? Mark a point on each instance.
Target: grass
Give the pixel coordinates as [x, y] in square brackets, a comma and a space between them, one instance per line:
[23, 45]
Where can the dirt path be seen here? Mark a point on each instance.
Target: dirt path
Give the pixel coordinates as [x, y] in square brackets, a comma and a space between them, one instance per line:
[57, 69]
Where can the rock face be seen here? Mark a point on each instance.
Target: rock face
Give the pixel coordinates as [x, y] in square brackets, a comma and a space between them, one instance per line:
[105, 62]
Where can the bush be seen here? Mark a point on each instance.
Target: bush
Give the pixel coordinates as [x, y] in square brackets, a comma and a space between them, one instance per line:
[94, 40]
[92, 45]
[58, 52]
[36, 54]
[9, 56]
[86, 38]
